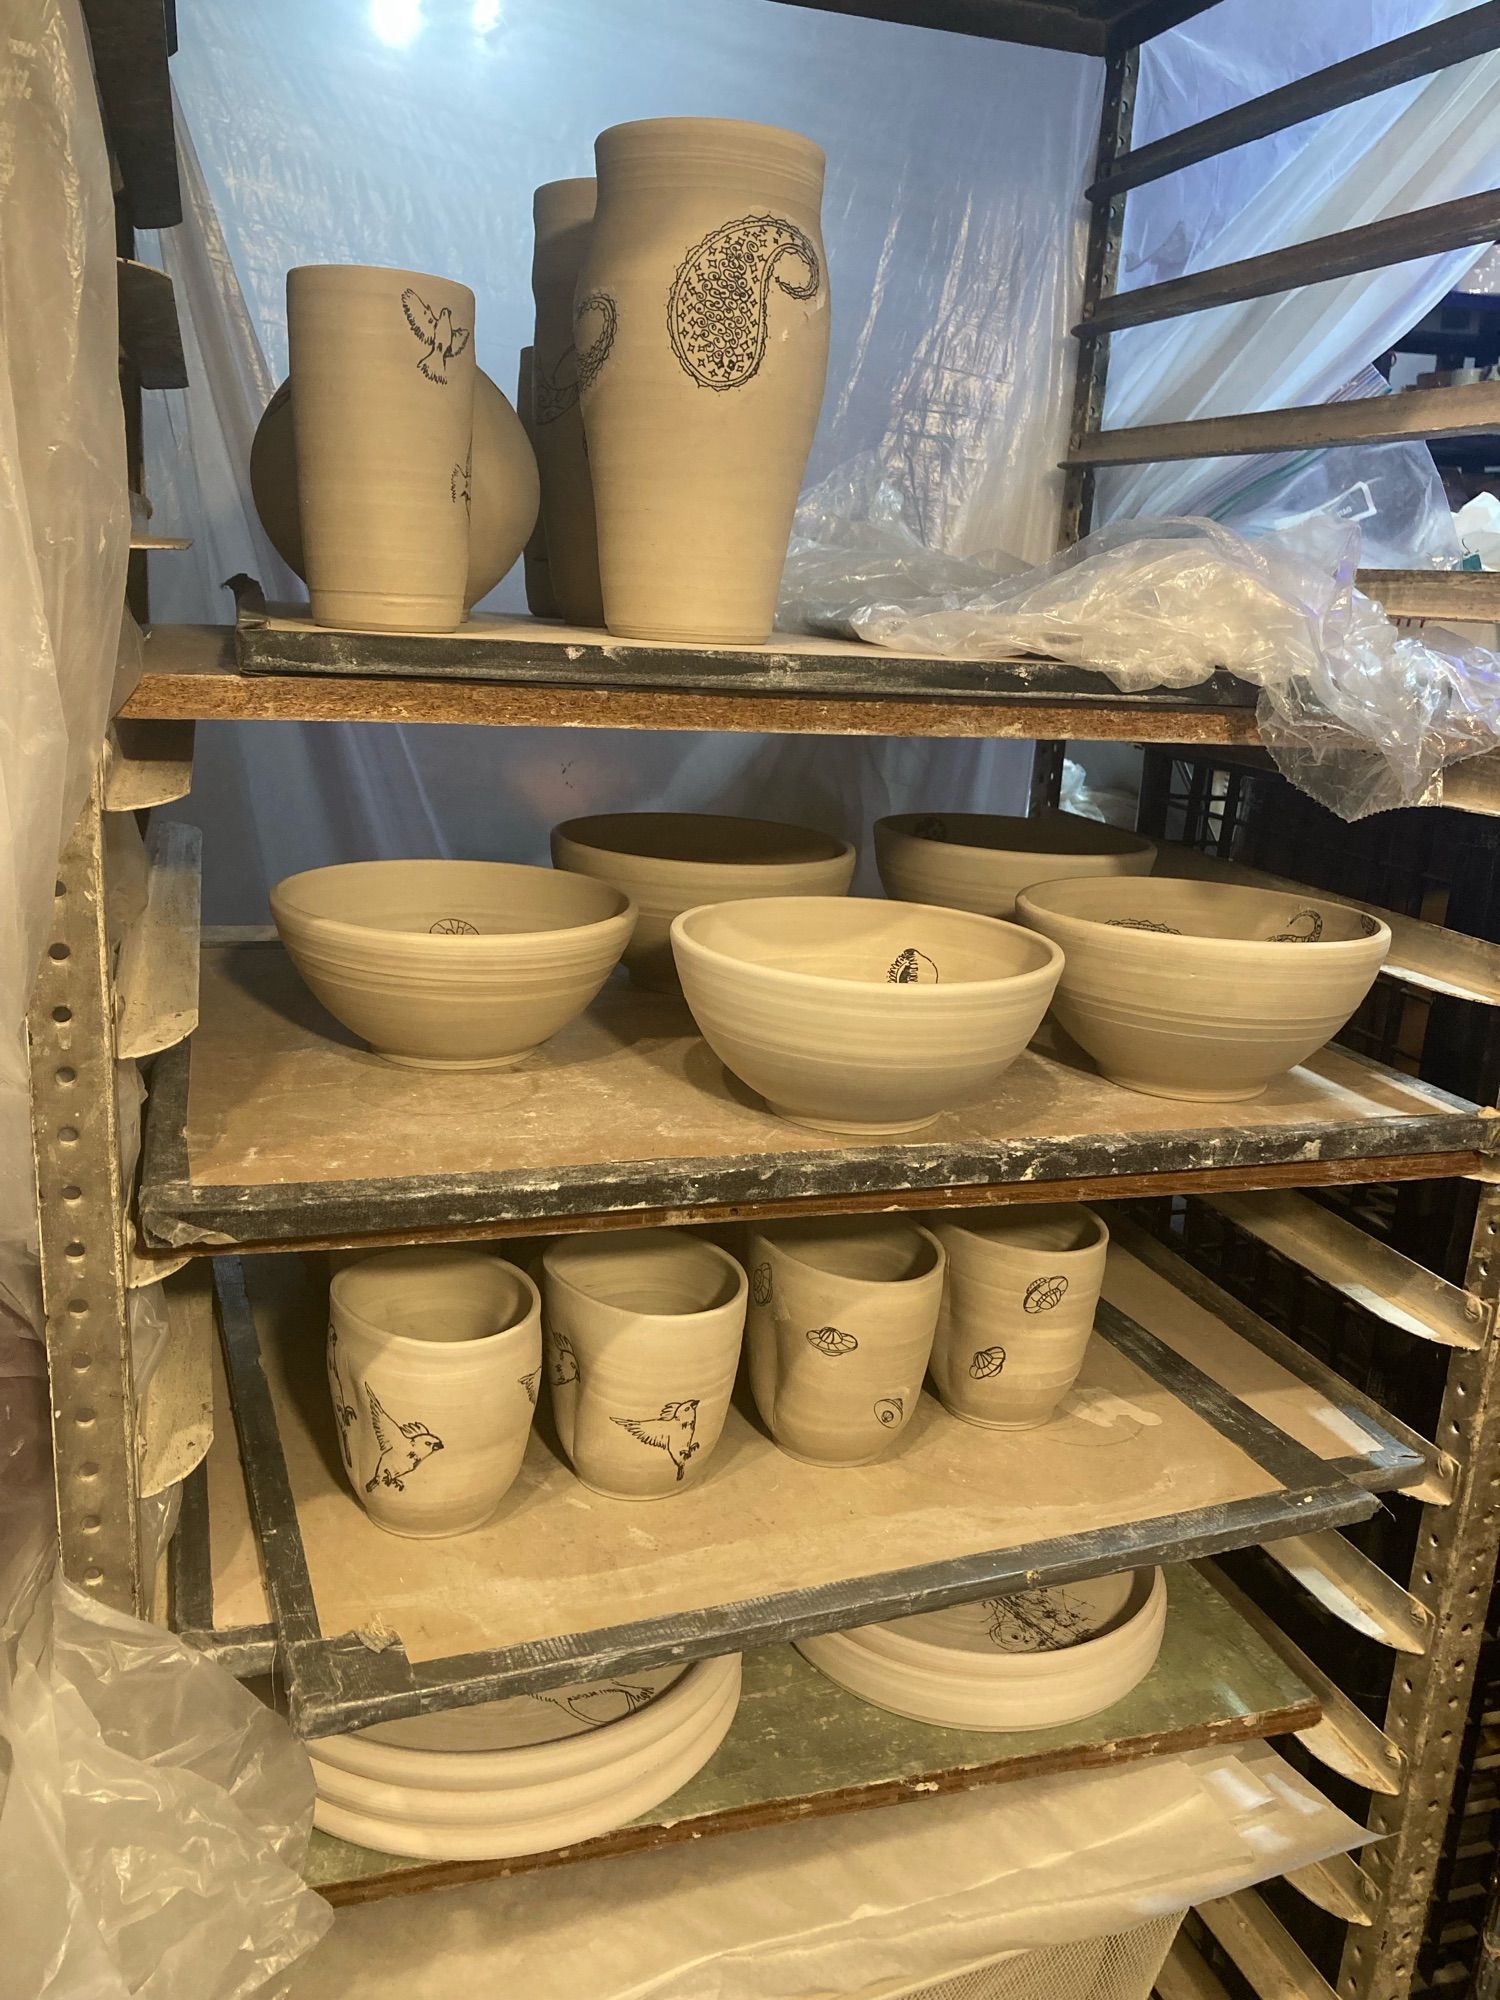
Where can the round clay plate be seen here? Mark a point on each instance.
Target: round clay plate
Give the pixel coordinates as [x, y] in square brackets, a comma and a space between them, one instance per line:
[527, 1718]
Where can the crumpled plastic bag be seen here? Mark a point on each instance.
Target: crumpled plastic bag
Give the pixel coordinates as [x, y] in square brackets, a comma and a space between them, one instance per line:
[153, 1817]
[1361, 716]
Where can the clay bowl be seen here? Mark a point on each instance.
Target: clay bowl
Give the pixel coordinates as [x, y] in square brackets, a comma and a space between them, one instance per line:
[451, 964]
[850, 1014]
[504, 491]
[980, 861]
[670, 862]
[1202, 989]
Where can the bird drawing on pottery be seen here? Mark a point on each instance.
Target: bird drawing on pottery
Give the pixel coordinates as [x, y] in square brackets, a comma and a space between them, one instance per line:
[562, 1362]
[831, 1340]
[672, 1432]
[403, 1447]
[719, 306]
[987, 1361]
[912, 968]
[443, 340]
[530, 1383]
[343, 1409]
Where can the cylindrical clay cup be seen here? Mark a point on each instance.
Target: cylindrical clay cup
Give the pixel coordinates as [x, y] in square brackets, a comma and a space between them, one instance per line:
[1018, 1307]
[841, 1324]
[382, 416]
[701, 325]
[643, 1334]
[434, 1361]
[563, 213]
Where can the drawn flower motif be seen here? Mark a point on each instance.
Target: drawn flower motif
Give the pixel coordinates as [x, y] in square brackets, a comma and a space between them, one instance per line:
[889, 1411]
[912, 968]
[760, 1284]
[987, 1361]
[453, 927]
[831, 1340]
[1042, 1294]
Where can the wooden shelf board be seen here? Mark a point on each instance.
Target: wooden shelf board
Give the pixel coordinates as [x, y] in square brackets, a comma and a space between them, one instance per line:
[801, 1748]
[555, 677]
[1153, 1459]
[273, 1127]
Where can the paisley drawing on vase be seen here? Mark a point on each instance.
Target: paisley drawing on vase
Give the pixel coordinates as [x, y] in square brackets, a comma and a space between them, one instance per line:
[1042, 1294]
[554, 391]
[986, 1361]
[593, 354]
[531, 1383]
[443, 341]
[831, 1340]
[343, 1409]
[672, 1432]
[889, 1411]
[719, 305]
[562, 1362]
[402, 1447]
[912, 968]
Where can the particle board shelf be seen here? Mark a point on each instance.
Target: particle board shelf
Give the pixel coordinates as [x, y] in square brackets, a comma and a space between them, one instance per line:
[532, 673]
[273, 1128]
[1181, 1439]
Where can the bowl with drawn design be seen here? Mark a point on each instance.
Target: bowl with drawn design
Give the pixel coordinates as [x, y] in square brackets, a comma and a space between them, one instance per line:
[1202, 989]
[981, 861]
[853, 1014]
[452, 964]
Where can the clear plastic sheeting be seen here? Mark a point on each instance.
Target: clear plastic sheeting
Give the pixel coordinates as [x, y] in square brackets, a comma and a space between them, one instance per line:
[878, 1901]
[153, 1820]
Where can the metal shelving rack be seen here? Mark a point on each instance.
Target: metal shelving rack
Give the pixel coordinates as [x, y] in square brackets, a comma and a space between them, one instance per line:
[1343, 1121]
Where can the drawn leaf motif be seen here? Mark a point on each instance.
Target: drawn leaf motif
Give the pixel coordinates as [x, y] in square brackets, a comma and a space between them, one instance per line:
[889, 1411]
[912, 968]
[1042, 1294]
[1143, 924]
[987, 1361]
[831, 1340]
[718, 307]
[760, 1284]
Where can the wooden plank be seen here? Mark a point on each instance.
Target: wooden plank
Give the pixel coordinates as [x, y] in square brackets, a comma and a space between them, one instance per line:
[1454, 596]
[285, 1120]
[175, 1417]
[1422, 232]
[1437, 46]
[1148, 1461]
[131, 41]
[801, 1748]
[1344, 1581]
[1362, 1269]
[1269, 1957]
[1467, 410]
[149, 333]
[147, 764]
[156, 985]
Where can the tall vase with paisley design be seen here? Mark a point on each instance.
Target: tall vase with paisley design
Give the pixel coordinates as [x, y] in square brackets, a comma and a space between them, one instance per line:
[701, 326]
[563, 212]
[382, 424]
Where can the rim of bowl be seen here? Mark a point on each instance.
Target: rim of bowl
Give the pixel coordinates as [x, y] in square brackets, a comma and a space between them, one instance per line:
[562, 1244]
[430, 1347]
[782, 975]
[1154, 1599]
[284, 894]
[785, 1244]
[1123, 840]
[970, 1222]
[839, 850]
[1036, 898]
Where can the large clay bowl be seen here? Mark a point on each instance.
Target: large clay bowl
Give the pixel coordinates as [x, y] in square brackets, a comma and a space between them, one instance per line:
[1202, 989]
[670, 862]
[1027, 1661]
[451, 964]
[981, 861]
[504, 491]
[854, 1015]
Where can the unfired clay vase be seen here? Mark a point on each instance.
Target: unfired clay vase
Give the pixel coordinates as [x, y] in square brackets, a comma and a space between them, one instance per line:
[643, 1341]
[451, 964]
[701, 324]
[851, 1014]
[383, 424]
[670, 862]
[504, 493]
[842, 1317]
[1018, 1308]
[461, 1806]
[1027, 1661]
[1202, 989]
[541, 600]
[432, 1364]
[563, 212]
[978, 861]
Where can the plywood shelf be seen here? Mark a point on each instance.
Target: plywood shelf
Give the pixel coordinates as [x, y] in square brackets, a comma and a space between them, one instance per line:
[1182, 1438]
[273, 1127]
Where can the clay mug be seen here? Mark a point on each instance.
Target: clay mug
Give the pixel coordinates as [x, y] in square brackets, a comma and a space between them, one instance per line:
[1018, 1309]
[643, 1331]
[841, 1324]
[434, 1362]
[382, 421]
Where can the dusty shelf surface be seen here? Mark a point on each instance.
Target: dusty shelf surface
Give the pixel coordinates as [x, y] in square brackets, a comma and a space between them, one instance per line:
[273, 1126]
[801, 1748]
[1157, 1455]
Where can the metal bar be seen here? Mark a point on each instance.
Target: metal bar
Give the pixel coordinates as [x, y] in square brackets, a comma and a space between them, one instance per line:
[1422, 232]
[1046, 775]
[1100, 270]
[76, 1141]
[1268, 1955]
[1356, 1590]
[1467, 410]
[1403, 60]
[1345, 1739]
[1358, 1266]
[1036, 23]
